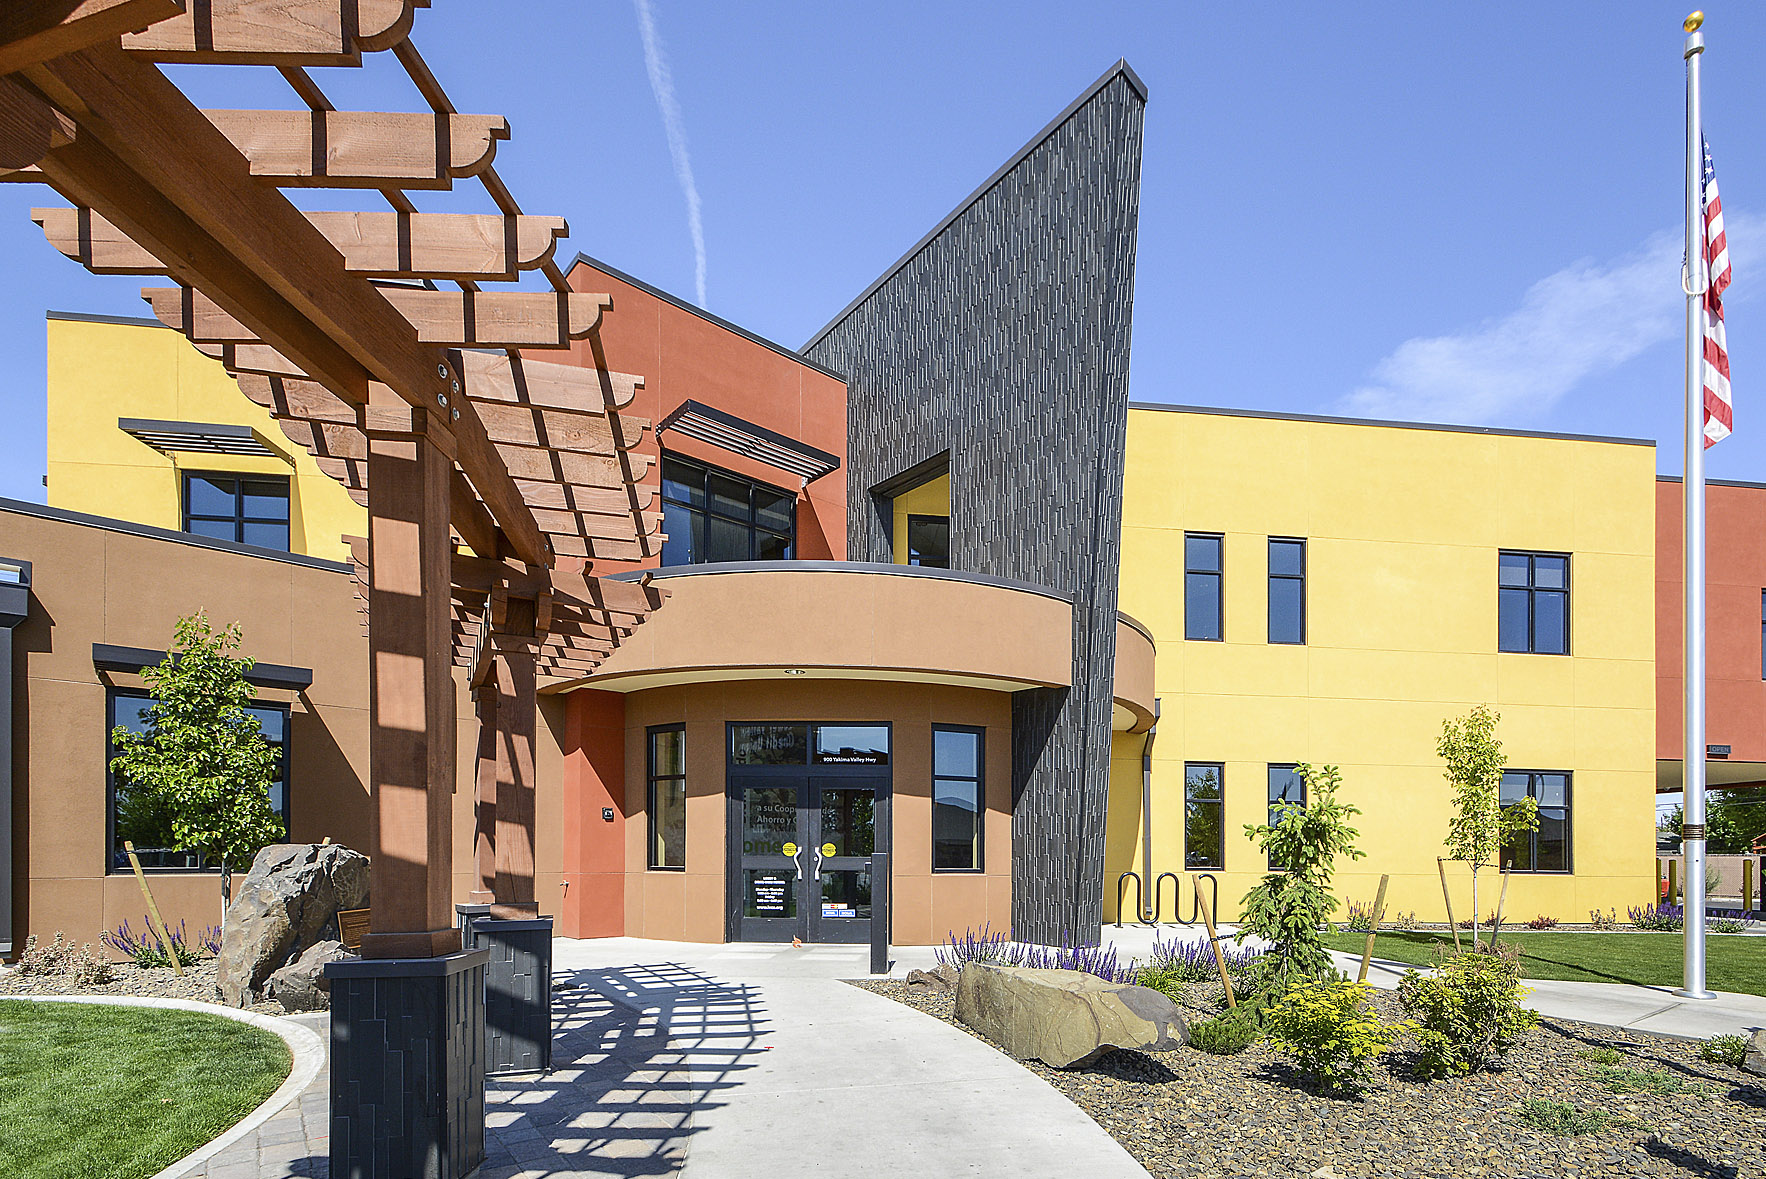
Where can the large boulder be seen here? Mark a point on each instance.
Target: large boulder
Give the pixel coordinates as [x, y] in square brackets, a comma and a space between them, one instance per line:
[288, 900]
[1065, 1018]
[1755, 1061]
[302, 985]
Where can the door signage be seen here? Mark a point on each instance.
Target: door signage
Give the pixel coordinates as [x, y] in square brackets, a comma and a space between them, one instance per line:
[829, 849]
[790, 849]
[832, 910]
[769, 897]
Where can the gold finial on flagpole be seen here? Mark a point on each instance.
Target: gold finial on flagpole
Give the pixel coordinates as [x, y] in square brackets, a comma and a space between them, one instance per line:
[1691, 23]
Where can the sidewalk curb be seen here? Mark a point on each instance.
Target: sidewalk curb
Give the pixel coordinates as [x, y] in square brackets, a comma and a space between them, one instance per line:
[304, 1045]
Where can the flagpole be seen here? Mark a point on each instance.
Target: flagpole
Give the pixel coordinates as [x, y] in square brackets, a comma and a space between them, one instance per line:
[1692, 840]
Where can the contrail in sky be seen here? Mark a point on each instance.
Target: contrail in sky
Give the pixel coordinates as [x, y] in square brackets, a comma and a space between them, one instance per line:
[662, 84]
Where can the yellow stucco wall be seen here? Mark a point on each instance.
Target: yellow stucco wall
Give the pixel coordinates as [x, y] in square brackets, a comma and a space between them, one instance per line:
[101, 371]
[931, 498]
[1403, 527]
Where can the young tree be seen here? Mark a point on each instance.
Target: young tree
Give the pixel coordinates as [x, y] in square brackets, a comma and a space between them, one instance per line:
[202, 765]
[1481, 826]
[1295, 899]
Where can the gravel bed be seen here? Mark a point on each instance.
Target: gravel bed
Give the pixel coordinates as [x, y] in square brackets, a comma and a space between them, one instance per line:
[1186, 1113]
[159, 982]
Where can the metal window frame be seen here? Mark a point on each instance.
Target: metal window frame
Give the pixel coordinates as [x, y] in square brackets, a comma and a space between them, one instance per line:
[1269, 607]
[1569, 868]
[239, 518]
[1220, 861]
[112, 694]
[1269, 769]
[1219, 576]
[651, 778]
[925, 516]
[980, 780]
[1533, 591]
[707, 512]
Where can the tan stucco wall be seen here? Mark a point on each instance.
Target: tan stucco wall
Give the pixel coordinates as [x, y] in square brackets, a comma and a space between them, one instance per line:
[690, 905]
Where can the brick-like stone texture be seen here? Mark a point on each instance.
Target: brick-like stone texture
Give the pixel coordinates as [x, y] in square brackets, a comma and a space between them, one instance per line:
[1004, 340]
[517, 993]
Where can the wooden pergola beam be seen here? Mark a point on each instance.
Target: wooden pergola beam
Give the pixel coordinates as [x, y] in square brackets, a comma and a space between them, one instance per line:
[443, 319]
[34, 31]
[174, 183]
[387, 244]
[362, 149]
[278, 32]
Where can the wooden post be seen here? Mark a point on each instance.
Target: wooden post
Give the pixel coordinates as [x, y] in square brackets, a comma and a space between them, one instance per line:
[1214, 943]
[153, 918]
[1501, 900]
[1673, 881]
[1441, 866]
[484, 805]
[1367, 952]
[1747, 887]
[411, 683]
[1658, 878]
[517, 718]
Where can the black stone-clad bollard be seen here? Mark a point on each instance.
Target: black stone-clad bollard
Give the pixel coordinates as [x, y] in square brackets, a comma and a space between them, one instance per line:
[517, 992]
[407, 1066]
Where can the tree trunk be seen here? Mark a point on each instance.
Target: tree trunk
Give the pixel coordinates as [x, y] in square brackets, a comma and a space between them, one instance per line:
[1474, 906]
[226, 892]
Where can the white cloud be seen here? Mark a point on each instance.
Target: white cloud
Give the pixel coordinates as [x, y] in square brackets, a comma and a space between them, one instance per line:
[662, 85]
[1580, 322]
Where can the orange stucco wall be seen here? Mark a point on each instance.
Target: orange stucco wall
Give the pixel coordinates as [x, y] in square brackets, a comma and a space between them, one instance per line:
[1735, 574]
[683, 356]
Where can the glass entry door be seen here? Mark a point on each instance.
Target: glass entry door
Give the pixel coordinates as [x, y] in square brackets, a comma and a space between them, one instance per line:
[800, 864]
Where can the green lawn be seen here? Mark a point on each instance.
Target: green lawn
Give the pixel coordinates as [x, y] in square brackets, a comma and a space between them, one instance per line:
[120, 1092]
[1733, 962]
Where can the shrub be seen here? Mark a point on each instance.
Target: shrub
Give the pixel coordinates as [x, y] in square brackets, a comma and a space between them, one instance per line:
[998, 949]
[1227, 1035]
[1601, 1055]
[1658, 918]
[986, 946]
[1561, 1119]
[1405, 922]
[210, 940]
[1730, 1050]
[1607, 920]
[1726, 925]
[1328, 1032]
[1616, 1079]
[89, 970]
[1293, 902]
[1360, 919]
[1543, 922]
[1192, 960]
[1468, 1012]
[55, 958]
[145, 949]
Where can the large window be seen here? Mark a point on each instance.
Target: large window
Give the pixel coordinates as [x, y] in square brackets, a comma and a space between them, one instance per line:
[1533, 603]
[929, 541]
[1204, 826]
[1285, 785]
[1548, 848]
[1202, 578]
[957, 798]
[665, 800]
[712, 515]
[246, 509]
[1287, 590]
[136, 819]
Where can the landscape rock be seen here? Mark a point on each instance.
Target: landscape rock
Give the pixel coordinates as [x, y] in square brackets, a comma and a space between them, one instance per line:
[1755, 1061]
[302, 985]
[1065, 1018]
[286, 903]
[939, 979]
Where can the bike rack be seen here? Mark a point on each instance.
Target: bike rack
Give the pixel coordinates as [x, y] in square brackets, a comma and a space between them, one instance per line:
[1140, 910]
[1141, 915]
[1176, 897]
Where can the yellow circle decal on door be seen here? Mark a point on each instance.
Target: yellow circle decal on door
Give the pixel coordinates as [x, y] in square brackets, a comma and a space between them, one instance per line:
[828, 849]
[790, 849]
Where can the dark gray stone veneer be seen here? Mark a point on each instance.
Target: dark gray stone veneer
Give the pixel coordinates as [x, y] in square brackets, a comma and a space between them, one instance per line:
[1003, 339]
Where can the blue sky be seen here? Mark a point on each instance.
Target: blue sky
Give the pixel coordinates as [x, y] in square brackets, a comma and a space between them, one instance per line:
[1454, 213]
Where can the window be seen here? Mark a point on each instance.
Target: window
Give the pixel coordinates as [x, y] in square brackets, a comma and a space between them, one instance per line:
[792, 745]
[957, 799]
[246, 509]
[1202, 585]
[1548, 848]
[929, 541]
[1287, 590]
[1285, 785]
[1533, 603]
[1204, 824]
[712, 515]
[139, 821]
[665, 800]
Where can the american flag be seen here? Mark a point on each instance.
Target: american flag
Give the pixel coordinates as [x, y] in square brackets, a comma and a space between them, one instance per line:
[1719, 413]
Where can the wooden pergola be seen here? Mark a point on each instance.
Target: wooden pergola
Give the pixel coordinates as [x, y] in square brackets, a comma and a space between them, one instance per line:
[373, 340]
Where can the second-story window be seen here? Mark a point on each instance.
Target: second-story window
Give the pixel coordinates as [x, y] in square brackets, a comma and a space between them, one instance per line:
[929, 541]
[1287, 590]
[245, 509]
[1202, 585]
[712, 515]
[1533, 603]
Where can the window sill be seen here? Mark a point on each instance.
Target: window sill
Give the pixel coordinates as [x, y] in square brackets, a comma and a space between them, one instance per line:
[664, 868]
[959, 871]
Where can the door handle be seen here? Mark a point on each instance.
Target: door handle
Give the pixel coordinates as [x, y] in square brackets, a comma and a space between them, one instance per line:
[818, 852]
[797, 862]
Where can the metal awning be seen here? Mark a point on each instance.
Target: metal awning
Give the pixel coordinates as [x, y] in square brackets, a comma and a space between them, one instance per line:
[130, 660]
[749, 440]
[201, 437]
